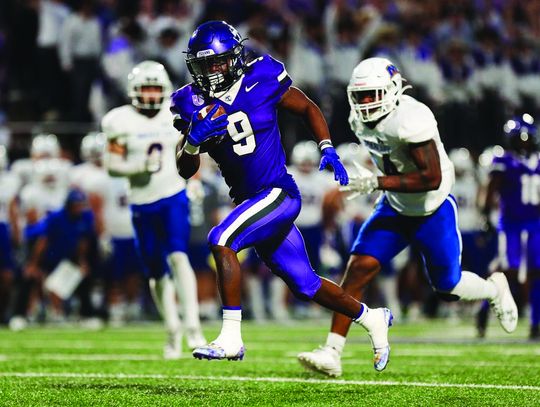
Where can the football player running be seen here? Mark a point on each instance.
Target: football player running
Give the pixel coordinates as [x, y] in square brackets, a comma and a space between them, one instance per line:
[141, 147]
[515, 180]
[416, 207]
[245, 142]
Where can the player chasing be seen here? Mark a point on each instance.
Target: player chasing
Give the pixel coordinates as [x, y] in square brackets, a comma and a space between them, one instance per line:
[245, 142]
[515, 180]
[416, 208]
[141, 147]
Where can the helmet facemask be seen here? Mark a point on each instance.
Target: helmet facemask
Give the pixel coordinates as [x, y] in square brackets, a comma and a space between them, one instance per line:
[216, 73]
[148, 96]
[383, 100]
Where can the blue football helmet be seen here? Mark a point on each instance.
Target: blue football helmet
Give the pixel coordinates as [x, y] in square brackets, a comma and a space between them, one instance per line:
[215, 56]
[521, 133]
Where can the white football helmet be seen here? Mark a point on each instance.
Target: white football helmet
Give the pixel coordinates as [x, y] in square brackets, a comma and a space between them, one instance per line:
[148, 73]
[48, 172]
[305, 152]
[92, 146]
[3, 159]
[379, 78]
[45, 146]
[462, 160]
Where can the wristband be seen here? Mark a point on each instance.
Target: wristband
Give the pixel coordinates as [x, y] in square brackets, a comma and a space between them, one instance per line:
[190, 149]
[325, 144]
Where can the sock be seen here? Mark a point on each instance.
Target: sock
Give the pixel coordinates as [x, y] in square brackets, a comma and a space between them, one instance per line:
[231, 328]
[256, 297]
[186, 288]
[278, 299]
[336, 341]
[362, 314]
[473, 287]
[162, 291]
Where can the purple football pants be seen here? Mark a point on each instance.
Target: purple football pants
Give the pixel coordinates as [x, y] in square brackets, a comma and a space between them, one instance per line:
[266, 222]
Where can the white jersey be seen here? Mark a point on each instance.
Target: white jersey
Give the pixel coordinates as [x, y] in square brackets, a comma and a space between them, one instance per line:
[23, 168]
[89, 178]
[117, 213]
[10, 187]
[388, 145]
[466, 190]
[143, 136]
[42, 199]
[313, 186]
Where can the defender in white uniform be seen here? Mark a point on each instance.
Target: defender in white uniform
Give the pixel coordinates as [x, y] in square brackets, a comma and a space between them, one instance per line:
[141, 147]
[416, 207]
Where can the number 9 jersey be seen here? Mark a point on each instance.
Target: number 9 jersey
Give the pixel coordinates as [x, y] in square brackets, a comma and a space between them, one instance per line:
[388, 143]
[251, 157]
[147, 139]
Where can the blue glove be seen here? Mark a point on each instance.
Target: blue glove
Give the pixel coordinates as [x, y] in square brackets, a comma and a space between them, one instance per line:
[331, 159]
[206, 128]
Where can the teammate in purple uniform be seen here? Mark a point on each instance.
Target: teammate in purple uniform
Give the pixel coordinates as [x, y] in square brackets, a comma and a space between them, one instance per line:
[515, 179]
[246, 144]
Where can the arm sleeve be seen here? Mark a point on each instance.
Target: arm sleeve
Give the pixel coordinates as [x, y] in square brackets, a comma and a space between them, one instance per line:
[117, 164]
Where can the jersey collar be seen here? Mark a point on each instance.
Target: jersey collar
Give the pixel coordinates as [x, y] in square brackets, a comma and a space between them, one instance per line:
[230, 95]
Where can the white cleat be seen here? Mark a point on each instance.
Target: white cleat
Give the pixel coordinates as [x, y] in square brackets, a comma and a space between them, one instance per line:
[18, 323]
[325, 360]
[504, 305]
[380, 321]
[173, 348]
[195, 338]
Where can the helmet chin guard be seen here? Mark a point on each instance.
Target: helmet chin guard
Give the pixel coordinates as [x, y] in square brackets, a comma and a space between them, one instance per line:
[374, 89]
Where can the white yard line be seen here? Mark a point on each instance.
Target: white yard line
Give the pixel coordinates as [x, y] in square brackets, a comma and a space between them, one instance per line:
[289, 358]
[265, 379]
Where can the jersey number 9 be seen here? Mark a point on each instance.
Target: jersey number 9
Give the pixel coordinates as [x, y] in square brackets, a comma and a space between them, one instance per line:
[241, 132]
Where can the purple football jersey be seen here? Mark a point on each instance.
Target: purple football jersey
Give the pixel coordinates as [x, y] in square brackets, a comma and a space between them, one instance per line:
[251, 157]
[520, 190]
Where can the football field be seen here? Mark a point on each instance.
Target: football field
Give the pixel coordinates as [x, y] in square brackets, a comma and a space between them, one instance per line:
[432, 363]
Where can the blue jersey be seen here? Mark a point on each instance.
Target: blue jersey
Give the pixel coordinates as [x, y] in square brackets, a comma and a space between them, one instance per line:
[64, 235]
[251, 157]
[520, 189]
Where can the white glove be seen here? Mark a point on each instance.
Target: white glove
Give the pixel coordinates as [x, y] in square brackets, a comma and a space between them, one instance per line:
[365, 182]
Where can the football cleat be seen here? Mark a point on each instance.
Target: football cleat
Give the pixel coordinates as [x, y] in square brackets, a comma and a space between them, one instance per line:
[195, 338]
[380, 321]
[325, 360]
[504, 305]
[213, 351]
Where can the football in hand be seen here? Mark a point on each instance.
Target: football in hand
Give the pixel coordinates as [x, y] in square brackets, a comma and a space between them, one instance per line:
[209, 144]
[206, 109]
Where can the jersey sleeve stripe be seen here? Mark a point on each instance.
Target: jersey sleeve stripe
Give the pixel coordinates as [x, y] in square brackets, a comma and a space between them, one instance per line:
[283, 76]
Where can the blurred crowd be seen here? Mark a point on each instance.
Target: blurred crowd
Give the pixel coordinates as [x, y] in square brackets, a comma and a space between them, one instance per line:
[475, 63]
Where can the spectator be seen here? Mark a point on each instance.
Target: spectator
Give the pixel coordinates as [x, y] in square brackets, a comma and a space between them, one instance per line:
[80, 50]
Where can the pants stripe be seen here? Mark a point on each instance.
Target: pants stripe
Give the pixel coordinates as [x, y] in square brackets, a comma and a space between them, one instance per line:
[251, 215]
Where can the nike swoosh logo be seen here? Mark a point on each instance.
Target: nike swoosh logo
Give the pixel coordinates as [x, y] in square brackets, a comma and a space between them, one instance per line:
[248, 88]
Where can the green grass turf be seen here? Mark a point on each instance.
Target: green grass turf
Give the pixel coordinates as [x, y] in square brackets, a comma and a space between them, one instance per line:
[116, 367]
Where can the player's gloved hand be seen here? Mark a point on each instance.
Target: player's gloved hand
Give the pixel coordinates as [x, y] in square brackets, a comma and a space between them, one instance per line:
[330, 159]
[206, 128]
[364, 182]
